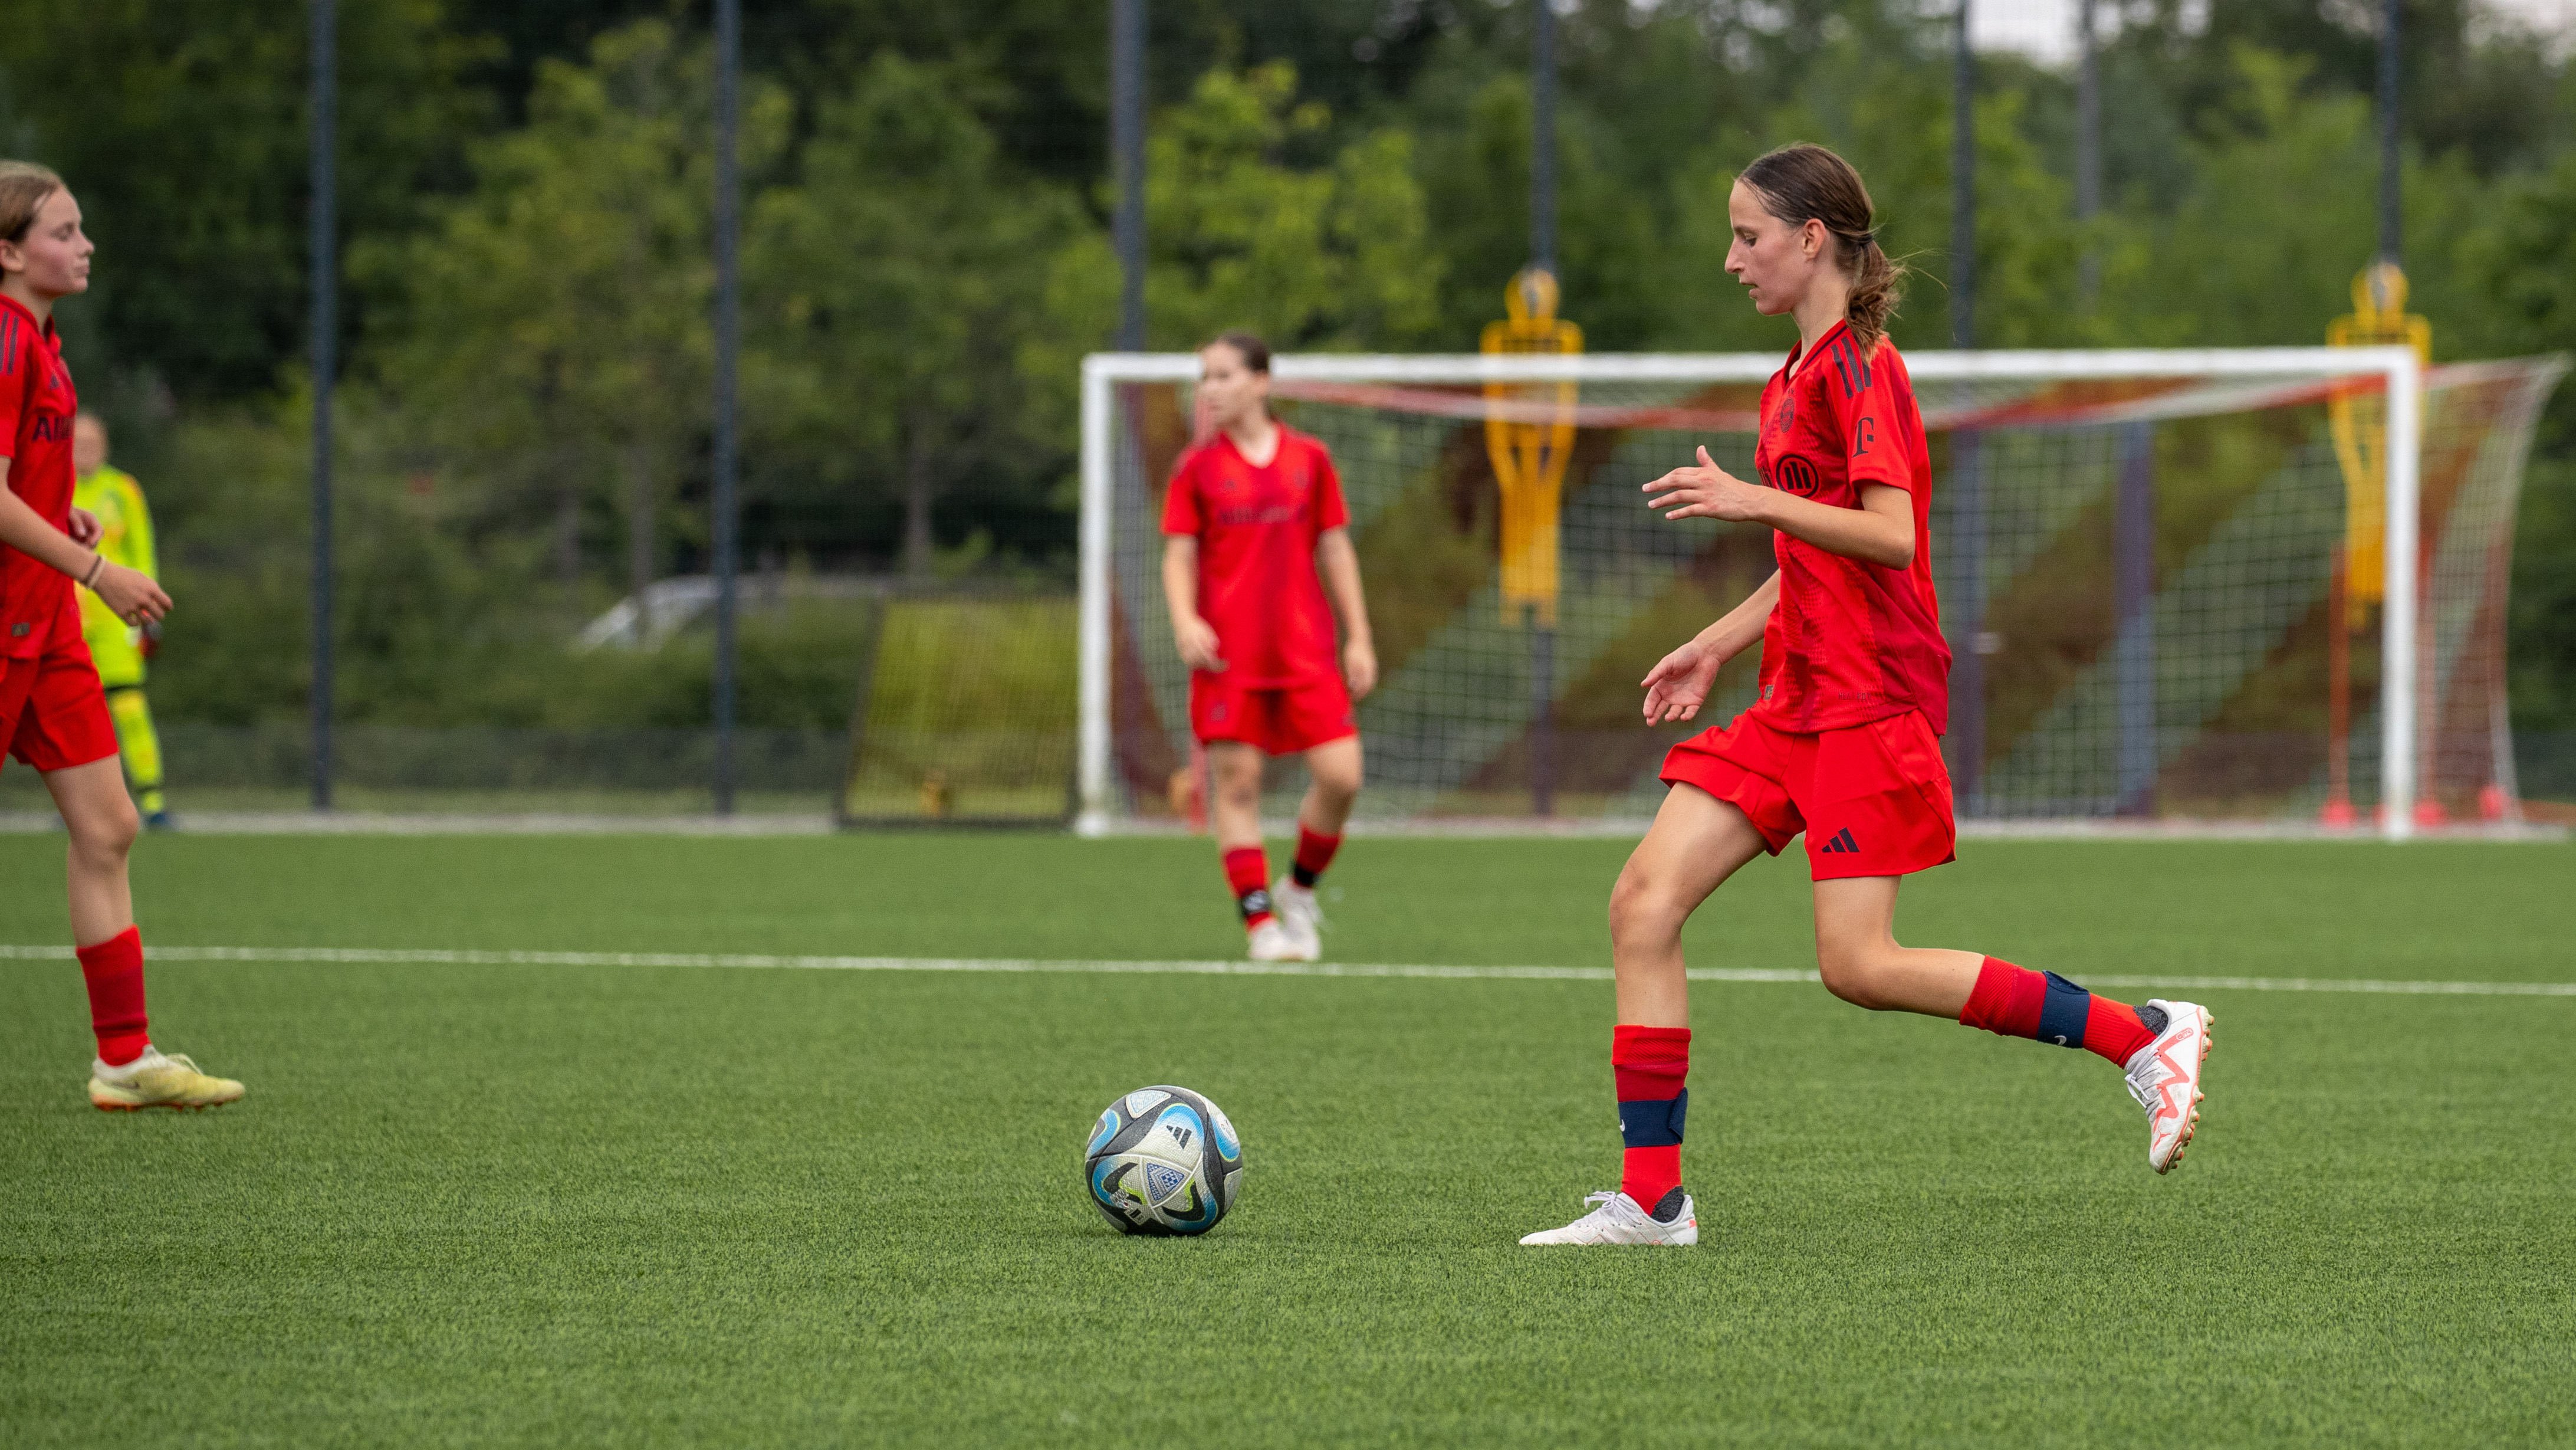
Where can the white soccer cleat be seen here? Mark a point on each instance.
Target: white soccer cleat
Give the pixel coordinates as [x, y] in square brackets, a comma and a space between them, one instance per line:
[1620, 1221]
[2164, 1076]
[157, 1081]
[1272, 943]
[1299, 915]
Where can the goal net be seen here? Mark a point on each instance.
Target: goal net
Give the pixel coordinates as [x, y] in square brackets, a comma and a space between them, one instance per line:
[2233, 584]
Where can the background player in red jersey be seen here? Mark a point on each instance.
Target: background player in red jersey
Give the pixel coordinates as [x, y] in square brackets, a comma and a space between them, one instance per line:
[1255, 534]
[1842, 741]
[53, 714]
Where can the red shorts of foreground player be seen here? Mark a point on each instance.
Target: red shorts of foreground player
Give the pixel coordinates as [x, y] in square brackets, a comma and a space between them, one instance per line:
[1873, 799]
[52, 712]
[1281, 721]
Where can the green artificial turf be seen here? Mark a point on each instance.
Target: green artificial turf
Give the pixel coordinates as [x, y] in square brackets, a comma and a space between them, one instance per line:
[683, 1206]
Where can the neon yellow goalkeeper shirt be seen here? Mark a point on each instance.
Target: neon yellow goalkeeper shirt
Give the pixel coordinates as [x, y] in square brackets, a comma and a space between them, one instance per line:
[125, 537]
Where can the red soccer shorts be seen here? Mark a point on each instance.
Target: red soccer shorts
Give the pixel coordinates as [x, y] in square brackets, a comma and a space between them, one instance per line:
[1873, 799]
[52, 711]
[1279, 721]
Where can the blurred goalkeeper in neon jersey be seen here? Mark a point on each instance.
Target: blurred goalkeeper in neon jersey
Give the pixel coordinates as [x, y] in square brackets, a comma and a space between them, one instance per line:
[1255, 537]
[119, 649]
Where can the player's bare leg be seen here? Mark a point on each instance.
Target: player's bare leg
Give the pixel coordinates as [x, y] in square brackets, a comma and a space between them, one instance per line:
[101, 820]
[1857, 952]
[1696, 843]
[2160, 1046]
[1333, 770]
[1234, 812]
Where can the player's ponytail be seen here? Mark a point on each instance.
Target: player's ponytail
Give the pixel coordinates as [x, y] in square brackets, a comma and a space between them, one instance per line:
[1802, 182]
[24, 186]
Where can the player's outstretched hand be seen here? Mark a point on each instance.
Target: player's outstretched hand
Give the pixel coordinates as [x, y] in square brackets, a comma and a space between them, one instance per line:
[131, 595]
[1359, 667]
[1706, 492]
[1679, 683]
[86, 529]
[1196, 639]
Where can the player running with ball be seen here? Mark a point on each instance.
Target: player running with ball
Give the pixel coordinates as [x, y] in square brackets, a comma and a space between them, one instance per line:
[1254, 535]
[53, 713]
[1842, 741]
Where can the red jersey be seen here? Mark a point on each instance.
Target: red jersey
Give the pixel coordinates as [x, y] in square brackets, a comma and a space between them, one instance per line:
[1849, 642]
[1257, 529]
[36, 409]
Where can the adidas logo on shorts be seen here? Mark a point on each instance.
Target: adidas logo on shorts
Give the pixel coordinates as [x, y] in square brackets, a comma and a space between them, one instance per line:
[1841, 845]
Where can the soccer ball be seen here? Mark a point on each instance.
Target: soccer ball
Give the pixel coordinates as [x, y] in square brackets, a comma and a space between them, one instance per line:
[1163, 1160]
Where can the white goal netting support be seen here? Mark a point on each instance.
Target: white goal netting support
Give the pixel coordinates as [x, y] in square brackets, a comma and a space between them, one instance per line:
[2144, 561]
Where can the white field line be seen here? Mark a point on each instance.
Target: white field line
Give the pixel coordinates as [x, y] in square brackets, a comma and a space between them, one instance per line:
[398, 956]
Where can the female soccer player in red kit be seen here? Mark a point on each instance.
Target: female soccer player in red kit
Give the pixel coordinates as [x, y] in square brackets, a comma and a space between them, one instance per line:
[1842, 741]
[1254, 535]
[53, 714]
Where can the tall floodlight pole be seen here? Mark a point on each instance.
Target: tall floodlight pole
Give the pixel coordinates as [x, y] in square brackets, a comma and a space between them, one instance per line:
[1127, 164]
[2391, 236]
[2088, 146]
[1543, 134]
[1543, 259]
[325, 262]
[728, 341]
[1967, 471]
[1963, 190]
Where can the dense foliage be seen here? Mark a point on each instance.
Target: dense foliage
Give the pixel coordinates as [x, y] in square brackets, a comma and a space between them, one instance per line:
[926, 256]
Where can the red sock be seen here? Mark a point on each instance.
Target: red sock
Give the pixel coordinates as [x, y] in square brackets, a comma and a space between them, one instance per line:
[113, 969]
[2017, 1002]
[1314, 853]
[2113, 1030]
[2006, 999]
[1650, 1065]
[1247, 870]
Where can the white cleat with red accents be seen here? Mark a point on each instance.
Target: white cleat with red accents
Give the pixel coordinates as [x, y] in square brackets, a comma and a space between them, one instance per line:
[1619, 1220]
[2164, 1076]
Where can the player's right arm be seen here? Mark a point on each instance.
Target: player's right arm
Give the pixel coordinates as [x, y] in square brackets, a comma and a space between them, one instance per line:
[1191, 634]
[1195, 637]
[1679, 683]
[134, 597]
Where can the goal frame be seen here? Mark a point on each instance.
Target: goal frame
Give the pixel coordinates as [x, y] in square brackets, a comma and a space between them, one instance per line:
[2396, 369]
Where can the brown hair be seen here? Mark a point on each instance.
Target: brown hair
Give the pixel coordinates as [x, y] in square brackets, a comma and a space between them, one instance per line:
[24, 186]
[1255, 352]
[1802, 182]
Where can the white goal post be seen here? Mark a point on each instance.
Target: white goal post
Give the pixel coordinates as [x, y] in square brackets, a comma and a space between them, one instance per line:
[1659, 403]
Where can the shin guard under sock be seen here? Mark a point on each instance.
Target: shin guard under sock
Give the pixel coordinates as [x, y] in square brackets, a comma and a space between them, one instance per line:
[2014, 1001]
[1314, 853]
[1650, 1065]
[1247, 870]
[113, 971]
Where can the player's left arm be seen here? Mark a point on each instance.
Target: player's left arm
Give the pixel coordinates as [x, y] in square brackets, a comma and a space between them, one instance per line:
[1880, 531]
[1340, 565]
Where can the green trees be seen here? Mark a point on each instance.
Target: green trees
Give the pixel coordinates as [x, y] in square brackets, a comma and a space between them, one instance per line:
[1332, 253]
[547, 339]
[926, 250]
[899, 283]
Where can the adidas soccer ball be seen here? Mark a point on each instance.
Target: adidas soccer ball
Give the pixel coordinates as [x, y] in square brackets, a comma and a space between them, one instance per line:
[1163, 1160]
